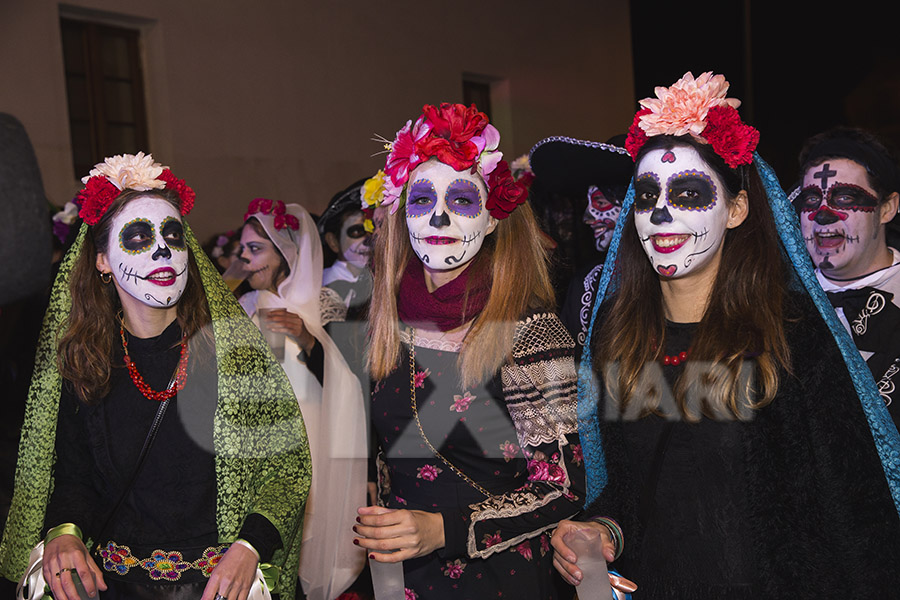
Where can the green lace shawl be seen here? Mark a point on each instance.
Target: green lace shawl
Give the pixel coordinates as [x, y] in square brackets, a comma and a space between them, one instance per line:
[262, 457]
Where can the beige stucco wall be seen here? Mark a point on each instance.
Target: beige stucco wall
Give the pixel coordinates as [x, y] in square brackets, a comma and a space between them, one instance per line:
[279, 98]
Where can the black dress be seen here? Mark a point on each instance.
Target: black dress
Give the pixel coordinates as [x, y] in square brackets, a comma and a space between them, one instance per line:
[172, 504]
[792, 503]
[516, 440]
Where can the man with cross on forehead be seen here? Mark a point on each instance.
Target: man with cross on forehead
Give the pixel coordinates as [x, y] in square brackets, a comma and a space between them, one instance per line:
[847, 201]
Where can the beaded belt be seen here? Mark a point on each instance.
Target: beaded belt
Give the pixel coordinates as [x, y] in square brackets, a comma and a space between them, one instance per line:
[161, 565]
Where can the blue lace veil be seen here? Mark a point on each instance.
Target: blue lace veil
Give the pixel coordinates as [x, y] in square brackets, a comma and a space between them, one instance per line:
[884, 431]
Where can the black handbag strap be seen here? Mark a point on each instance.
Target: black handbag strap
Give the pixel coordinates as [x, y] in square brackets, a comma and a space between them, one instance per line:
[151, 435]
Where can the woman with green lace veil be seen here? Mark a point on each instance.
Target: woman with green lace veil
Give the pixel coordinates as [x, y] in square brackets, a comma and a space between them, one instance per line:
[163, 454]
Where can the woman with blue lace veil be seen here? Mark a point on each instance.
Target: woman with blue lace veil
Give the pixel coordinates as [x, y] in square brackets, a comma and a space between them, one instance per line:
[735, 444]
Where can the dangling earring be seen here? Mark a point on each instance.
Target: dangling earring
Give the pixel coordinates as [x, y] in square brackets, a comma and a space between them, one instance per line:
[106, 278]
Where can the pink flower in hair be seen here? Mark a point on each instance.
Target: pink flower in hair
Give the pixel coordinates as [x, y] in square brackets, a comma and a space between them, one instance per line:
[682, 108]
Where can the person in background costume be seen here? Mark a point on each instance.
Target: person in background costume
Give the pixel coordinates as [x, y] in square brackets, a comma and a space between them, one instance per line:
[283, 255]
[474, 402]
[346, 241]
[849, 196]
[603, 173]
[139, 319]
[726, 458]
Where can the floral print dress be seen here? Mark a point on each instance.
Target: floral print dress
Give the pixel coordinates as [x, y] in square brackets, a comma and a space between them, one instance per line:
[512, 470]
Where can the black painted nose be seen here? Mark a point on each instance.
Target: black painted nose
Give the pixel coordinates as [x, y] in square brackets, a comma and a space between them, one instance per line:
[162, 252]
[825, 217]
[439, 220]
[660, 216]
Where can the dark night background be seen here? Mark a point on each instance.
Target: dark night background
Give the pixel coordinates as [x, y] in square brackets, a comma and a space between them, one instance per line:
[798, 69]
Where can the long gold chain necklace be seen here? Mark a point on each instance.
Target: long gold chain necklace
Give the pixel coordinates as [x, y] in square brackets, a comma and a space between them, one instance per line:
[415, 410]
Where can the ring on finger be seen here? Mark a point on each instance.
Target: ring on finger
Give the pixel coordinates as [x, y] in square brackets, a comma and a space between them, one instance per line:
[220, 597]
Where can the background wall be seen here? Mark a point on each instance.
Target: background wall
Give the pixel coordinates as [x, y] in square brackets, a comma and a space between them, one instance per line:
[280, 98]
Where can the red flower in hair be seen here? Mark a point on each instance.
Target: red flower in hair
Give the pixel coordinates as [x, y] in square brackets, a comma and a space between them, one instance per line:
[506, 193]
[185, 193]
[636, 136]
[452, 128]
[729, 137]
[95, 199]
[258, 205]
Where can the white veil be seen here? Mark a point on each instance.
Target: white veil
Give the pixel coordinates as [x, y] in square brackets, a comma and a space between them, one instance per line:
[334, 415]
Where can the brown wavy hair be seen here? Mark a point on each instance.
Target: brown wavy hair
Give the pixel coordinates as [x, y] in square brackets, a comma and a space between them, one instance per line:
[743, 321]
[517, 260]
[85, 348]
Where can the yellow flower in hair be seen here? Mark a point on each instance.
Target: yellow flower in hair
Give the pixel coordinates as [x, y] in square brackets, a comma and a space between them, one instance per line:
[373, 190]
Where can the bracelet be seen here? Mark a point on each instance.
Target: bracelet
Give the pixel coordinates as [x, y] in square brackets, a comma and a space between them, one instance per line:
[248, 545]
[615, 532]
[64, 529]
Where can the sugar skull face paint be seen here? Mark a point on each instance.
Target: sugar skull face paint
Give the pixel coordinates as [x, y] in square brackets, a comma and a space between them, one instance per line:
[445, 215]
[678, 212]
[839, 217]
[147, 251]
[354, 246]
[601, 216]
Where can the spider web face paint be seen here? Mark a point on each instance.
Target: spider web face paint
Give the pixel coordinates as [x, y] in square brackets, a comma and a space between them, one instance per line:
[838, 217]
[147, 251]
[601, 216]
[445, 215]
[679, 216]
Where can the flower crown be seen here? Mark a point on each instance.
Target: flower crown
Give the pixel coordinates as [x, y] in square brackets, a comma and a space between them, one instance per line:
[697, 107]
[277, 209]
[461, 138]
[127, 172]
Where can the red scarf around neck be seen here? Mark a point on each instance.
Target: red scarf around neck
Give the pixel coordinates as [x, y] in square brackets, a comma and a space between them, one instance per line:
[448, 307]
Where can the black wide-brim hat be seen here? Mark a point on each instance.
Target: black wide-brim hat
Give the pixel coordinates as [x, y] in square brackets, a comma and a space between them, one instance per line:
[569, 166]
[345, 200]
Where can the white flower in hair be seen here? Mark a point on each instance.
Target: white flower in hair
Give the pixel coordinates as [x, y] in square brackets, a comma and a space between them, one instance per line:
[130, 171]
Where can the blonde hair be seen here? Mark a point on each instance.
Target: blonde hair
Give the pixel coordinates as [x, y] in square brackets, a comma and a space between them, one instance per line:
[517, 261]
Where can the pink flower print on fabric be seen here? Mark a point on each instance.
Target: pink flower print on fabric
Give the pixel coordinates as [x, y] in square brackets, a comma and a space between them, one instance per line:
[524, 549]
[541, 470]
[400, 500]
[165, 565]
[429, 472]
[491, 539]
[420, 377]
[454, 570]
[461, 403]
[408, 594]
[577, 456]
[509, 450]
[545, 544]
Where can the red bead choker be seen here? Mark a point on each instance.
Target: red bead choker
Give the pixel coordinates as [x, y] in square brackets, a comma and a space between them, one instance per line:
[178, 379]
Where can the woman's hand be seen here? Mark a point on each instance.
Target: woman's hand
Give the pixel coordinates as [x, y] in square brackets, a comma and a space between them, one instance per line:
[62, 556]
[564, 559]
[408, 533]
[279, 319]
[233, 576]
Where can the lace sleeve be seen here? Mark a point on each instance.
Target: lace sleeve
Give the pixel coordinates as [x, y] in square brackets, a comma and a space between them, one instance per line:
[539, 389]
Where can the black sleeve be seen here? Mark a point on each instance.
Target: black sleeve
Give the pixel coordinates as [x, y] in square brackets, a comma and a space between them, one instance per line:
[74, 498]
[262, 535]
[315, 362]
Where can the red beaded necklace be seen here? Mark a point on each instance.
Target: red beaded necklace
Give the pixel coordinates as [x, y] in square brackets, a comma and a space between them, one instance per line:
[673, 360]
[145, 389]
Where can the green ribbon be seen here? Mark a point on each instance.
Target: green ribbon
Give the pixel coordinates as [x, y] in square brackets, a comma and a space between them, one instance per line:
[64, 529]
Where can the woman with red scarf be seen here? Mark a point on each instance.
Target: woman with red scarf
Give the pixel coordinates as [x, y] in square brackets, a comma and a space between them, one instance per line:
[474, 395]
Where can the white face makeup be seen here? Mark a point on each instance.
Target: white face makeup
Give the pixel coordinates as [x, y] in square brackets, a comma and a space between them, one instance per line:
[353, 241]
[601, 216]
[446, 216]
[839, 218]
[680, 210]
[261, 257]
[147, 251]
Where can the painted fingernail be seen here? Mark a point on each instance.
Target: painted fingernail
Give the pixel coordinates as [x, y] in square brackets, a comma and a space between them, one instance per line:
[356, 541]
[371, 556]
[354, 529]
[357, 520]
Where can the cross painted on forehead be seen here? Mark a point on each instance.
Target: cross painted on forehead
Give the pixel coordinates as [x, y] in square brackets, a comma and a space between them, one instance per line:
[824, 174]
